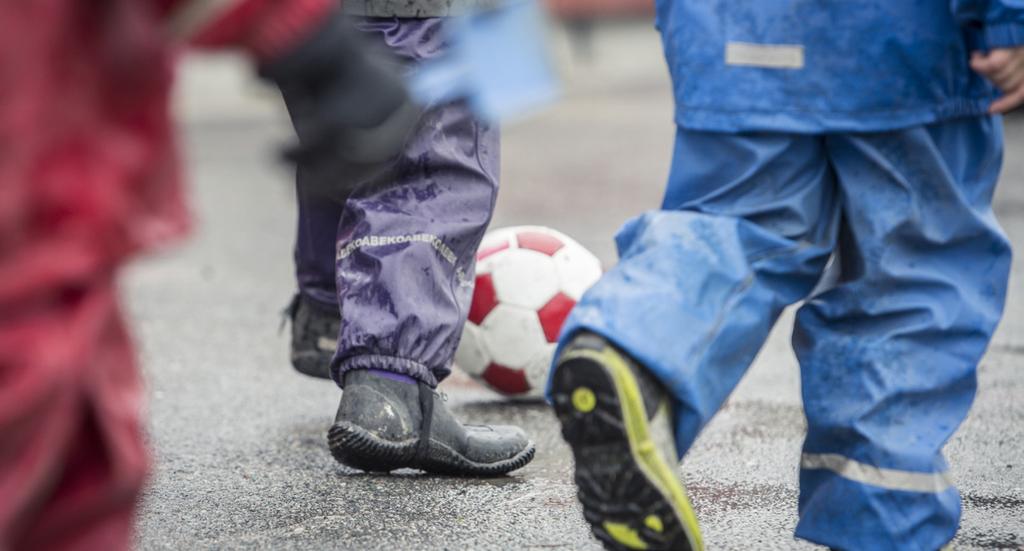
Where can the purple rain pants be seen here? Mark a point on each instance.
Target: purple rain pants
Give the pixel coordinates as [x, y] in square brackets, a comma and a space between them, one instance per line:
[399, 259]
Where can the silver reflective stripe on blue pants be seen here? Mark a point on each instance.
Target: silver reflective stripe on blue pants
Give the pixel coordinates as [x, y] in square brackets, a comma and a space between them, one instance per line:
[890, 479]
[888, 354]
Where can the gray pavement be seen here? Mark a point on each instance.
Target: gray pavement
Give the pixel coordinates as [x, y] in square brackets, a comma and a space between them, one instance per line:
[239, 439]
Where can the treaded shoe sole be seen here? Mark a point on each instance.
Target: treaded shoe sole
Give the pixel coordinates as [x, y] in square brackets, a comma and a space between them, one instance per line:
[631, 496]
[356, 447]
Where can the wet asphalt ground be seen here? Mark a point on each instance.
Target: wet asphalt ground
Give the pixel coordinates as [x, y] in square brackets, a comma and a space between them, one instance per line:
[239, 439]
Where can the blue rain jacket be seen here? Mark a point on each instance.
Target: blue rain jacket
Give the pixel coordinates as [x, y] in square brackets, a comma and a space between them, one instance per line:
[818, 66]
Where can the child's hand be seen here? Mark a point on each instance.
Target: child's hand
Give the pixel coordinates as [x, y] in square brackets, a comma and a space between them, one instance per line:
[1005, 68]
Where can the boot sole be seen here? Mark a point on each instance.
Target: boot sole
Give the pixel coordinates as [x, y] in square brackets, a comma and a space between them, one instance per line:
[631, 496]
[354, 446]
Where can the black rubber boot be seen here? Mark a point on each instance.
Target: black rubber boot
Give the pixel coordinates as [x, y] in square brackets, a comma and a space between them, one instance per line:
[618, 420]
[384, 424]
[314, 336]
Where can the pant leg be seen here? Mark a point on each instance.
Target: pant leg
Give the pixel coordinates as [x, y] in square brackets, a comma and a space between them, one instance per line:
[888, 356]
[406, 253]
[747, 225]
[314, 246]
[72, 459]
[318, 219]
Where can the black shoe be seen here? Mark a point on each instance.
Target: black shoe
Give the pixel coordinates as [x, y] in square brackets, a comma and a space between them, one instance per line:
[618, 420]
[383, 425]
[315, 330]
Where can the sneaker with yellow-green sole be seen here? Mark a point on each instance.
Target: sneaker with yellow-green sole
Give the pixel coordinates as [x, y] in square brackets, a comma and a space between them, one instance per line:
[618, 420]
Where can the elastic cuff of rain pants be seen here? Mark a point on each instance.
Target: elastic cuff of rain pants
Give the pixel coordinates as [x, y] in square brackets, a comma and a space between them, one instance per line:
[393, 364]
[1004, 35]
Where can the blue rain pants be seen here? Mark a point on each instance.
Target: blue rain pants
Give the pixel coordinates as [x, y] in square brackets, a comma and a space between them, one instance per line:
[815, 66]
[887, 354]
[399, 259]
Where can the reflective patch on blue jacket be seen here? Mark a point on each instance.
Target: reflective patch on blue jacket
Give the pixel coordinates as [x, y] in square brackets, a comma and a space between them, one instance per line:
[825, 65]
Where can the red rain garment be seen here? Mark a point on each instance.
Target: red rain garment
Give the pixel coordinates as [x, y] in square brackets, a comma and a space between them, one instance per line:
[89, 178]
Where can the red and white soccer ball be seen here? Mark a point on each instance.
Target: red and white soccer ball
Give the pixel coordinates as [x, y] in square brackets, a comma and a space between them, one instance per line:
[527, 280]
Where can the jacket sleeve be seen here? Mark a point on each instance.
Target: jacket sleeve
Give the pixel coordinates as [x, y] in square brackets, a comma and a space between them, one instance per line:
[1000, 22]
[265, 28]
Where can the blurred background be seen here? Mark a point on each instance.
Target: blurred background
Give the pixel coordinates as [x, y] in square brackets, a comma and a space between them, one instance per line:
[239, 438]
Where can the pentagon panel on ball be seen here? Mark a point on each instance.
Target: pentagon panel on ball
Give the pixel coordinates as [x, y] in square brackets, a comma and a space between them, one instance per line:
[528, 278]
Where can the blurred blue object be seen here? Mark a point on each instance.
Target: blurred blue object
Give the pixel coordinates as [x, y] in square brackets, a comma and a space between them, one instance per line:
[498, 61]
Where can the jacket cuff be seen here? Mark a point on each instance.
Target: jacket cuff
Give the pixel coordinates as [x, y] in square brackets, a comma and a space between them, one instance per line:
[1004, 35]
